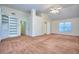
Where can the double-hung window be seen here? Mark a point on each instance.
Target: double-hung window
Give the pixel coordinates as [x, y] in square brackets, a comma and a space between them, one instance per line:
[65, 27]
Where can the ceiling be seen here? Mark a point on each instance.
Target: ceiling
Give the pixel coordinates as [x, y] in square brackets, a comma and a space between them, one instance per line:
[28, 7]
[38, 7]
[68, 10]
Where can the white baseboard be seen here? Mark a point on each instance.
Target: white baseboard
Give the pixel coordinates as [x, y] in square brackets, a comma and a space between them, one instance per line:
[67, 34]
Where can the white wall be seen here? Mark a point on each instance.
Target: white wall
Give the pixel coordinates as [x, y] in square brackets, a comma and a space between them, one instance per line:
[37, 24]
[29, 26]
[75, 26]
[18, 14]
[0, 18]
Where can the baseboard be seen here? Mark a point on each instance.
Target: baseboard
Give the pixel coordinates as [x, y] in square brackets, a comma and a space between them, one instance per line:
[3, 38]
[38, 35]
[66, 34]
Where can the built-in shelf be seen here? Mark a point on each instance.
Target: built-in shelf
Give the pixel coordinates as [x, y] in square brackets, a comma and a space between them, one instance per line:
[5, 19]
[4, 26]
[13, 26]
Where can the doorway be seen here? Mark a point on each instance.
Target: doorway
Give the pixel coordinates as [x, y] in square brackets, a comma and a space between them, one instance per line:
[23, 27]
[46, 27]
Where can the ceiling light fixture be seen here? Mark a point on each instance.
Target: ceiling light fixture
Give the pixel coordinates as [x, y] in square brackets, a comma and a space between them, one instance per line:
[55, 10]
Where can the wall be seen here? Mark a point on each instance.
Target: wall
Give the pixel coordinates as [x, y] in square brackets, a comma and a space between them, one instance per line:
[75, 26]
[47, 26]
[19, 14]
[37, 22]
[39, 26]
[29, 26]
[0, 18]
[36, 25]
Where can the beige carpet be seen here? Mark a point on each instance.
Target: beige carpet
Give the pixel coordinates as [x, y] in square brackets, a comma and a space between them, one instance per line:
[45, 44]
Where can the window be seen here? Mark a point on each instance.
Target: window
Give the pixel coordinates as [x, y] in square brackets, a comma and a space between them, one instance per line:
[65, 27]
[61, 27]
[68, 26]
